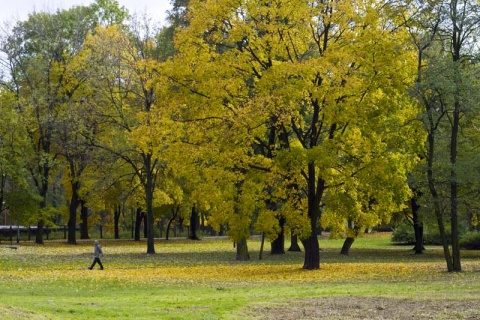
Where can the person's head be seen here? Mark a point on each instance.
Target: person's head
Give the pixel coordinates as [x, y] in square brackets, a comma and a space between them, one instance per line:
[96, 242]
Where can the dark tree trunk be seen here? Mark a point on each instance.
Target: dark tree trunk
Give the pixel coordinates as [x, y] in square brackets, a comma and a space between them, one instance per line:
[145, 225]
[138, 222]
[194, 224]
[116, 221]
[315, 192]
[433, 189]
[72, 211]
[84, 219]
[3, 181]
[39, 233]
[43, 205]
[353, 231]
[43, 185]
[242, 250]
[454, 188]
[347, 244]
[149, 191]
[260, 255]
[457, 266]
[417, 226]
[294, 246]
[278, 245]
[170, 222]
[458, 21]
[312, 253]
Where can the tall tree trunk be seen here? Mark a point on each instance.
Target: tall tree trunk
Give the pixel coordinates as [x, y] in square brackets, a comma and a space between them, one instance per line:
[43, 185]
[262, 243]
[242, 250]
[149, 190]
[72, 217]
[194, 224]
[347, 244]
[43, 205]
[2, 196]
[170, 222]
[417, 225]
[312, 253]
[453, 151]
[458, 20]
[278, 245]
[132, 226]
[294, 244]
[434, 193]
[293, 190]
[169, 225]
[116, 221]
[84, 221]
[39, 233]
[145, 226]
[352, 233]
[453, 190]
[138, 222]
[315, 192]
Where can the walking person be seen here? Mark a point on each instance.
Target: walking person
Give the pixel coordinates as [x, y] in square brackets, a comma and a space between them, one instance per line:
[97, 251]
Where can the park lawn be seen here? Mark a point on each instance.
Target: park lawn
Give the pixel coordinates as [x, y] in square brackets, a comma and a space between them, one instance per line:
[201, 280]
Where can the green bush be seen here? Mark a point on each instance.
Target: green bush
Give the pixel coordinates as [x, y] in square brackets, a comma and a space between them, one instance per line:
[404, 234]
[433, 238]
[470, 240]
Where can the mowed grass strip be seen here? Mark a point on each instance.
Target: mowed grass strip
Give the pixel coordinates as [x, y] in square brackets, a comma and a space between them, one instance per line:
[201, 279]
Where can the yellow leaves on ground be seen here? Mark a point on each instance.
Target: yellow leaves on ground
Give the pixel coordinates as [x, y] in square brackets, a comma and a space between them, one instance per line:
[240, 274]
[212, 262]
[335, 272]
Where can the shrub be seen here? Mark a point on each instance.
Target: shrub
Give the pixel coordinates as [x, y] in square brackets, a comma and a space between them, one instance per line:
[433, 238]
[470, 240]
[404, 234]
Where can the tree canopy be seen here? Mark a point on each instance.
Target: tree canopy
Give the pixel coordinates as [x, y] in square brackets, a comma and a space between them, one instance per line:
[272, 116]
[329, 83]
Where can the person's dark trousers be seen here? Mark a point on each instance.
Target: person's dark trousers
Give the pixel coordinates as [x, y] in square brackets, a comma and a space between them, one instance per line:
[94, 262]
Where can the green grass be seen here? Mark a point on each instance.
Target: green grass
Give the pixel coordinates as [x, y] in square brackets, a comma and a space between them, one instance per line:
[201, 279]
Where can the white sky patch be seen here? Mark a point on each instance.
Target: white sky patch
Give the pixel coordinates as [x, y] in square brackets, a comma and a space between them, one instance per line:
[14, 10]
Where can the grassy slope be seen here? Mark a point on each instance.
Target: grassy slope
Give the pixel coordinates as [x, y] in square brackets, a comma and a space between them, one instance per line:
[201, 279]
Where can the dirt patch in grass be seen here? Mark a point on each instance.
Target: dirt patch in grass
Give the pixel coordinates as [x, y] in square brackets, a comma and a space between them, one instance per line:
[368, 308]
[7, 313]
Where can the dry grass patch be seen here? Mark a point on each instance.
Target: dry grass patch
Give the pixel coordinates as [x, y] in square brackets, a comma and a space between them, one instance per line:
[346, 308]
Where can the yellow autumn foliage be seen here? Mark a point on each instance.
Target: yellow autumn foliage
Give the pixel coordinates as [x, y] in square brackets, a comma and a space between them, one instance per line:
[204, 263]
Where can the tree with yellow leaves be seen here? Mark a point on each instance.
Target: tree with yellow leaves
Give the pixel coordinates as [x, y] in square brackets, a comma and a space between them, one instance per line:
[16, 194]
[40, 54]
[331, 76]
[38, 51]
[123, 71]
